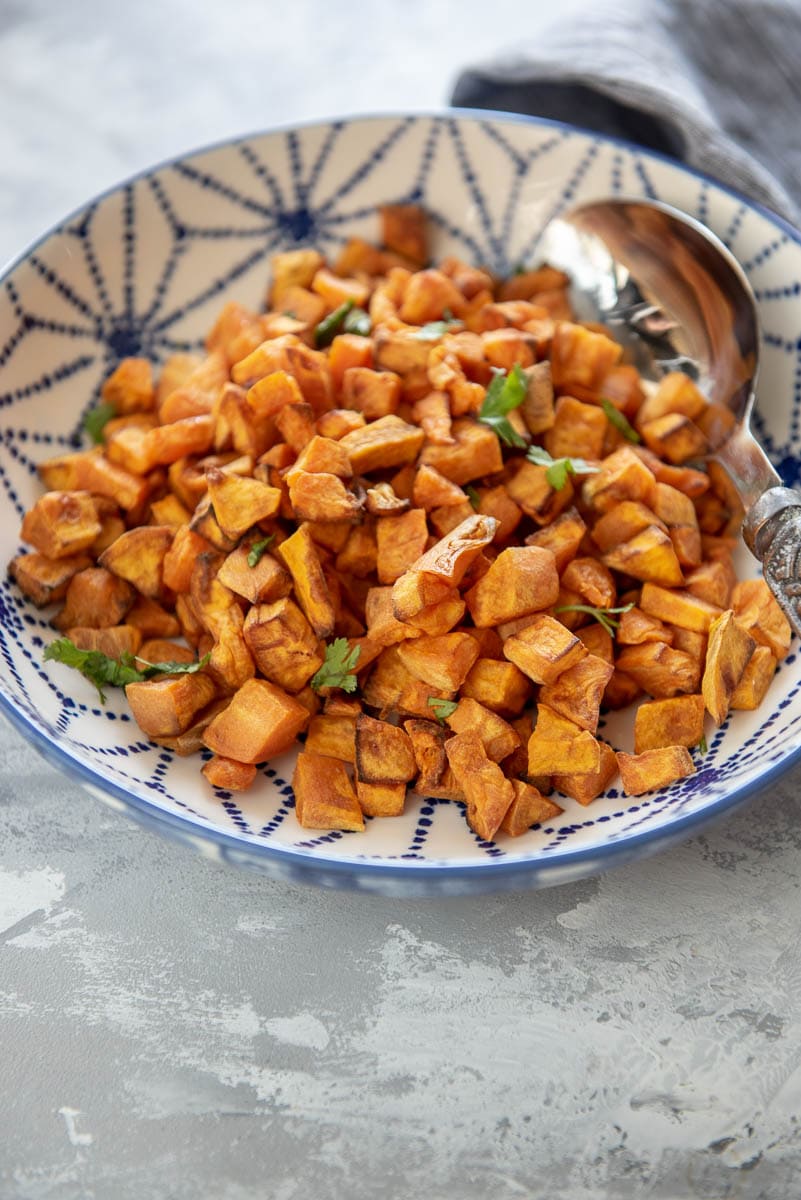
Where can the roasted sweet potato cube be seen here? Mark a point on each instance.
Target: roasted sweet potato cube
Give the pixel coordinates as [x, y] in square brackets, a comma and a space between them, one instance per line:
[428, 746]
[381, 799]
[453, 554]
[324, 795]
[649, 555]
[400, 351]
[45, 580]
[271, 394]
[167, 707]
[375, 394]
[438, 619]
[167, 443]
[577, 692]
[689, 641]
[757, 610]
[162, 650]
[300, 557]
[537, 409]
[400, 541]
[622, 523]
[623, 476]
[91, 471]
[591, 580]
[166, 511]
[96, 599]
[282, 643]
[175, 372]
[581, 357]
[230, 663]
[530, 489]
[228, 774]
[586, 788]
[544, 649]
[387, 442]
[474, 452]
[497, 503]
[578, 430]
[523, 579]
[433, 414]
[444, 662]
[562, 537]
[390, 687]
[636, 627]
[416, 591]
[713, 582]
[323, 455]
[296, 425]
[654, 769]
[383, 627]
[130, 386]
[339, 421]
[403, 229]
[487, 791]
[528, 808]
[138, 556]
[432, 490]
[336, 290]
[428, 295]
[498, 736]
[497, 685]
[678, 721]
[333, 735]
[180, 558]
[623, 690]
[114, 641]
[262, 583]
[320, 496]
[676, 393]
[348, 351]
[755, 680]
[240, 502]
[384, 752]
[659, 669]
[558, 744]
[674, 437]
[598, 641]
[292, 269]
[260, 722]
[729, 651]
[678, 608]
[61, 524]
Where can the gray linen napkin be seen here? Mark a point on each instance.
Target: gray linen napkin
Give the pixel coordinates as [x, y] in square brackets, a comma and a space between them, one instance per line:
[712, 82]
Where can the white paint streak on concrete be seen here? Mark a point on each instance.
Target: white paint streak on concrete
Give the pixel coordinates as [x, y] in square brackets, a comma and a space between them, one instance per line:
[70, 1116]
[25, 892]
[303, 1029]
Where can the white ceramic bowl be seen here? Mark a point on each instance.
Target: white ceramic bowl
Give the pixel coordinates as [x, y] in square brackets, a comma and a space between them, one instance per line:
[144, 268]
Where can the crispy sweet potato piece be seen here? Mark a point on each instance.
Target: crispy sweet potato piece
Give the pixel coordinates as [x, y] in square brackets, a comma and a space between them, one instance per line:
[654, 769]
[729, 651]
[522, 580]
[497, 685]
[259, 723]
[227, 774]
[544, 649]
[586, 788]
[96, 599]
[302, 561]
[440, 618]
[321, 496]
[400, 540]
[591, 580]
[45, 580]
[557, 744]
[674, 437]
[530, 489]
[324, 795]
[167, 707]
[678, 721]
[349, 351]
[528, 808]
[452, 555]
[381, 799]
[282, 643]
[444, 661]
[390, 687]
[138, 556]
[334, 735]
[578, 430]
[660, 670]
[375, 394]
[577, 692]
[384, 752]
[562, 537]
[488, 793]
[474, 452]
[623, 476]
[636, 627]
[161, 650]
[581, 358]
[755, 680]
[498, 736]
[678, 608]
[130, 386]
[61, 524]
[757, 610]
[240, 502]
[262, 583]
[113, 641]
[676, 393]
[89, 470]
[387, 442]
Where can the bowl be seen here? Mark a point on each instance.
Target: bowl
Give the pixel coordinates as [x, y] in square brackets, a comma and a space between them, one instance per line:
[144, 268]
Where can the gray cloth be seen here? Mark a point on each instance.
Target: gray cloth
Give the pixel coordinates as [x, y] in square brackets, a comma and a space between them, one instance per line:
[712, 82]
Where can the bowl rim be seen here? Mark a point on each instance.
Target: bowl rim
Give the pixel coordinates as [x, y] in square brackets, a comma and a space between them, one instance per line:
[518, 870]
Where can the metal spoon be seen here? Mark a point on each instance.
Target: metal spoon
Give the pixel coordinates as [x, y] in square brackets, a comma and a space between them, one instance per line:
[677, 299]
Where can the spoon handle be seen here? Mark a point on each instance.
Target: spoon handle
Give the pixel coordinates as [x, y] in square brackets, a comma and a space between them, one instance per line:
[772, 532]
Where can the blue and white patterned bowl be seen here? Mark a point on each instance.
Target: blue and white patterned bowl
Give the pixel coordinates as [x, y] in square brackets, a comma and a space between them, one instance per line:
[144, 268]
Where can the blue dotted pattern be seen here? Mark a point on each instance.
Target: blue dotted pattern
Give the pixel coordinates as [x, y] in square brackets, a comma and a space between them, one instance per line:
[286, 191]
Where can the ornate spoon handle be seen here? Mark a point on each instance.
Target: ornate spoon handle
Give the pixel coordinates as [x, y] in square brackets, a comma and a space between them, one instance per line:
[772, 531]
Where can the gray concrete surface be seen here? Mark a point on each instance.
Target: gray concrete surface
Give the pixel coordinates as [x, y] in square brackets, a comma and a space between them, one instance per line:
[171, 1029]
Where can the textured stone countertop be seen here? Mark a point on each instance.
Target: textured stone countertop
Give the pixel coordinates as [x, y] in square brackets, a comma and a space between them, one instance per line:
[173, 1029]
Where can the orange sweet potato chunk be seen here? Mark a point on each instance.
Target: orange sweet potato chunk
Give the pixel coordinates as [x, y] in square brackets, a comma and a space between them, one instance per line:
[261, 722]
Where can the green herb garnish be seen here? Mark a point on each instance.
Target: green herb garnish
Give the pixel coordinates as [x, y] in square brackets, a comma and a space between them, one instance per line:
[101, 670]
[615, 417]
[473, 496]
[604, 616]
[329, 327]
[559, 468]
[336, 671]
[97, 419]
[357, 321]
[435, 330]
[442, 708]
[258, 548]
[702, 746]
[505, 393]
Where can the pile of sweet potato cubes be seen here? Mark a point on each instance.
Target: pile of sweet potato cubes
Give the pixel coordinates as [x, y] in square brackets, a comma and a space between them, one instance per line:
[421, 517]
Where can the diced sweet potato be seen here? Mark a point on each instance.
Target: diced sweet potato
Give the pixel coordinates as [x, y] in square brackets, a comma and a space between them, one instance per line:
[636, 627]
[400, 541]
[489, 794]
[262, 583]
[713, 582]
[96, 599]
[240, 503]
[676, 393]
[678, 721]
[660, 670]
[449, 559]
[623, 476]
[438, 619]
[497, 685]
[387, 442]
[339, 421]
[649, 555]
[162, 650]
[333, 735]
[324, 795]
[562, 537]
[498, 737]
[729, 651]
[166, 707]
[130, 386]
[578, 430]
[229, 775]
[300, 557]
[757, 610]
[474, 452]
[260, 722]
[674, 437]
[282, 643]
[622, 523]
[529, 807]
[544, 649]
[523, 579]
[530, 489]
[587, 787]
[577, 692]
[384, 752]
[654, 769]
[591, 580]
[444, 662]
[45, 580]
[755, 680]
[678, 608]
[113, 641]
[537, 409]
[557, 745]
[61, 524]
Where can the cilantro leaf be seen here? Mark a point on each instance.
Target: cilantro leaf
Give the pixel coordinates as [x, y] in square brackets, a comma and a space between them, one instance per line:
[505, 393]
[434, 330]
[702, 746]
[357, 321]
[559, 468]
[615, 417]
[604, 616]
[472, 496]
[339, 663]
[258, 548]
[442, 708]
[102, 670]
[97, 419]
[329, 327]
